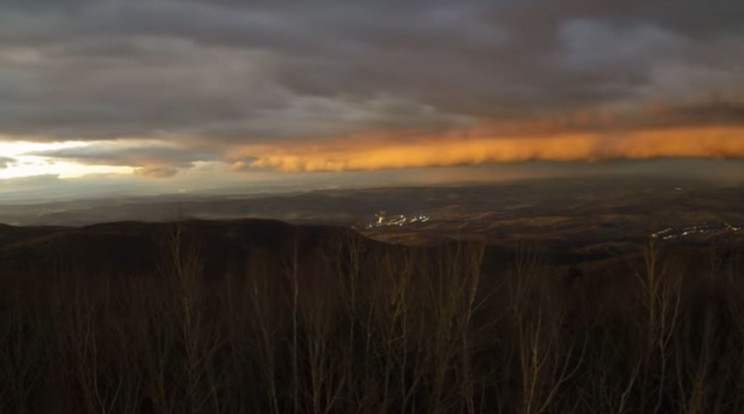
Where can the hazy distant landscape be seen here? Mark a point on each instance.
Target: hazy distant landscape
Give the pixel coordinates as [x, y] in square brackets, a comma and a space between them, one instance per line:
[591, 216]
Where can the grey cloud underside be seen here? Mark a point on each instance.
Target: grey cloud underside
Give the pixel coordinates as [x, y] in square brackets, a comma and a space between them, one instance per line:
[128, 154]
[5, 161]
[231, 72]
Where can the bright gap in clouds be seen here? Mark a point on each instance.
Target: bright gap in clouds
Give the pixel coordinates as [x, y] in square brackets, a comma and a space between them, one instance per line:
[24, 165]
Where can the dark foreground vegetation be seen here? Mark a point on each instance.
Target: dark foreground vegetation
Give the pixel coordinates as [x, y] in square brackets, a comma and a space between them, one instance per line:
[324, 321]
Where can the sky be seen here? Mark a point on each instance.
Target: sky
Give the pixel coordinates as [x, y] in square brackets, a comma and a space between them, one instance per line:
[107, 96]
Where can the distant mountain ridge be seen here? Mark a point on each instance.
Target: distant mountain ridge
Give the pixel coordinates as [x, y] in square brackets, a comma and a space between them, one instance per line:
[226, 247]
[137, 246]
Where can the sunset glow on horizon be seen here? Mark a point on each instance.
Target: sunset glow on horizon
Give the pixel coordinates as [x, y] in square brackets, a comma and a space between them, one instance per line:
[22, 163]
[476, 147]
[370, 152]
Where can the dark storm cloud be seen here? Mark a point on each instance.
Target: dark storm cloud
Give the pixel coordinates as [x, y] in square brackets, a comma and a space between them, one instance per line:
[237, 72]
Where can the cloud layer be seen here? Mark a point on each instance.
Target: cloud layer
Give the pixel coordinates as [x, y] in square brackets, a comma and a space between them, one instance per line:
[480, 148]
[333, 85]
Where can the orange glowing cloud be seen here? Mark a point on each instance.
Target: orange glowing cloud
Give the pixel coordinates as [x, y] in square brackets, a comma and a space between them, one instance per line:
[479, 147]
